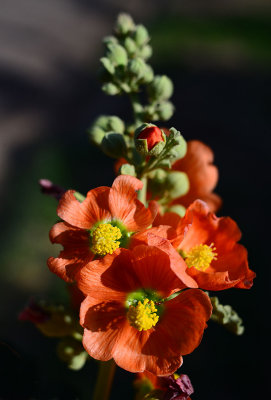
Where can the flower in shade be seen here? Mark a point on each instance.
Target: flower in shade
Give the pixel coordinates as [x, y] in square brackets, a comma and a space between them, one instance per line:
[49, 188]
[99, 225]
[202, 174]
[177, 387]
[209, 247]
[127, 315]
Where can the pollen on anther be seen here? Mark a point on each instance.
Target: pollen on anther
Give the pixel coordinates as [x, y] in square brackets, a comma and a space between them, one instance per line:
[201, 256]
[105, 239]
[143, 316]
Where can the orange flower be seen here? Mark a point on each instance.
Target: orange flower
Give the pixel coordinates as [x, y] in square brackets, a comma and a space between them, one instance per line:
[202, 174]
[99, 225]
[126, 318]
[209, 247]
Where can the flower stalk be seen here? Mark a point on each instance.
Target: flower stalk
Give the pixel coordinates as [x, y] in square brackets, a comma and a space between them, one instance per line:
[104, 380]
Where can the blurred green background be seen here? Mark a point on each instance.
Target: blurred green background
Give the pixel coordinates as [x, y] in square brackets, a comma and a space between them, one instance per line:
[218, 55]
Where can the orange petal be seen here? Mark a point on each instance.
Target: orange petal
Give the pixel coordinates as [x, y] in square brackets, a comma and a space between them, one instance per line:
[76, 251]
[65, 268]
[174, 261]
[102, 322]
[107, 278]
[83, 215]
[129, 353]
[183, 321]
[125, 207]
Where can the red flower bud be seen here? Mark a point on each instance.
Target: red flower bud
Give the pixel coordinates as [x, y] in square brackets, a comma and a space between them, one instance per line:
[152, 134]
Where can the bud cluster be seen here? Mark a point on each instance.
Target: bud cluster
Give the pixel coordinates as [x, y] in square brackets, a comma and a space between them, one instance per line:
[125, 70]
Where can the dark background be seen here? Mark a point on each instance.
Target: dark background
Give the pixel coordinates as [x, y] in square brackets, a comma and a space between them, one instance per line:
[218, 55]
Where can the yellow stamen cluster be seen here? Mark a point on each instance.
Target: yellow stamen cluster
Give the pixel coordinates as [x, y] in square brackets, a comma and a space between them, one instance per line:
[105, 239]
[143, 316]
[201, 256]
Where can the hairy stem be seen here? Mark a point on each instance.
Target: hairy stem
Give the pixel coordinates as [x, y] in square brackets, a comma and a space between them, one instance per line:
[142, 194]
[104, 380]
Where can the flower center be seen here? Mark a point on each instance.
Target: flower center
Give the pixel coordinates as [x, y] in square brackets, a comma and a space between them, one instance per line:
[105, 239]
[143, 316]
[200, 256]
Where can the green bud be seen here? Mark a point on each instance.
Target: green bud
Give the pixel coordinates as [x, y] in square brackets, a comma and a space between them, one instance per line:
[130, 46]
[115, 124]
[124, 24]
[117, 54]
[177, 184]
[96, 135]
[110, 89]
[137, 67]
[148, 74]
[72, 352]
[161, 88]
[179, 146]
[165, 110]
[141, 35]
[108, 65]
[178, 209]
[146, 52]
[113, 145]
[127, 169]
[225, 315]
[156, 182]
[110, 40]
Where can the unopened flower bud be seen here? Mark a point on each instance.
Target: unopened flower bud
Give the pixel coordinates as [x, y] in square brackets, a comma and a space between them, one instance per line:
[141, 35]
[110, 40]
[137, 67]
[110, 89]
[96, 135]
[149, 140]
[165, 110]
[146, 52]
[177, 184]
[130, 45]
[179, 149]
[124, 24]
[117, 54]
[127, 169]
[161, 88]
[107, 64]
[113, 145]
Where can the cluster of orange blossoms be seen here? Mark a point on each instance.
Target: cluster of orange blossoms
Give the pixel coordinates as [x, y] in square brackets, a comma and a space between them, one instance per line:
[143, 274]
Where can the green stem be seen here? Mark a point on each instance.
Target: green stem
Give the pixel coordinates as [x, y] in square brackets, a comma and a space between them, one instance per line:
[104, 380]
[142, 194]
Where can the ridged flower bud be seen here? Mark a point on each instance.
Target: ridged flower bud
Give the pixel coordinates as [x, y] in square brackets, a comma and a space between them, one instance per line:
[124, 24]
[165, 110]
[113, 145]
[117, 54]
[149, 140]
[177, 184]
[161, 88]
[141, 35]
[110, 89]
